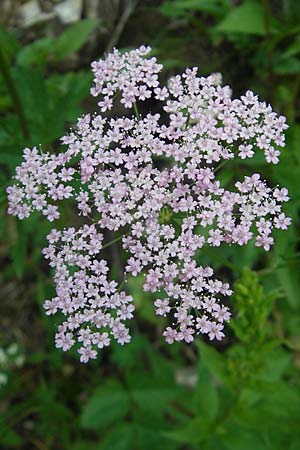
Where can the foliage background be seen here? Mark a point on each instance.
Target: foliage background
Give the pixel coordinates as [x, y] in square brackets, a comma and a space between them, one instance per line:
[241, 394]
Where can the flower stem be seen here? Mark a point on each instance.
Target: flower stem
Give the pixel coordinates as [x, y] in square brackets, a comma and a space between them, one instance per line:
[112, 242]
[136, 111]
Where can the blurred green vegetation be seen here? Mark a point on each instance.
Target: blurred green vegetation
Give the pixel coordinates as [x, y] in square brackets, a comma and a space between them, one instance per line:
[244, 393]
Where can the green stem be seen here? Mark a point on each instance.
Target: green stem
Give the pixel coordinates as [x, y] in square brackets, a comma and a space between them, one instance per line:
[136, 111]
[9, 82]
[188, 119]
[112, 242]
[267, 23]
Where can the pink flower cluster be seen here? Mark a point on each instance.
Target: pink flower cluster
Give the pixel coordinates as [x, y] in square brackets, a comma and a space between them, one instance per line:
[154, 179]
[130, 74]
[84, 294]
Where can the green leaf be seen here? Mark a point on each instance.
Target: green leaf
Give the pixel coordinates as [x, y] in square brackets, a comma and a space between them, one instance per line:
[214, 361]
[143, 301]
[9, 438]
[288, 277]
[33, 93]
[66, 107]
[238, 437]
[287, 66]
[206, 395]
[8, 158]
[293, 49]
[107, 404]
[35, 54]
[136, 436]
[246, 19]
[153, 398]
[121, 438]
[276, 409]
[293, 154]
[73, 38]
[276, 363]
[9, 44]
[195, 431]
[86, 444]
[48, 105]
[179, 8]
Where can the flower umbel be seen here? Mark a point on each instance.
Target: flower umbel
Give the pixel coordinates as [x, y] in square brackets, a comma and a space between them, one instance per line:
[156, 177]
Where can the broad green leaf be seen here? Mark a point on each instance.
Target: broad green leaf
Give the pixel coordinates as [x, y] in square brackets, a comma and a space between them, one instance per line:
[106, 405]
[121, 438]
[85, 445]
[8, 158]
[276, 363]
[136, 436]
[293, 49]
[276, 410]
[288, 276]
[153, 398]
[196, 430]
[143, 301]
[247, 18]
[181, 7]
[9, 438]
[206, 395]
[34, 97]
[238, 437]
[288, 66]
[294, 442]
[148, 436]
[281, 399]
[214, 361]
[73, 38]
[290, 155]
[66, 107]
[35, 54]
[48, 105]
[8, 43]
